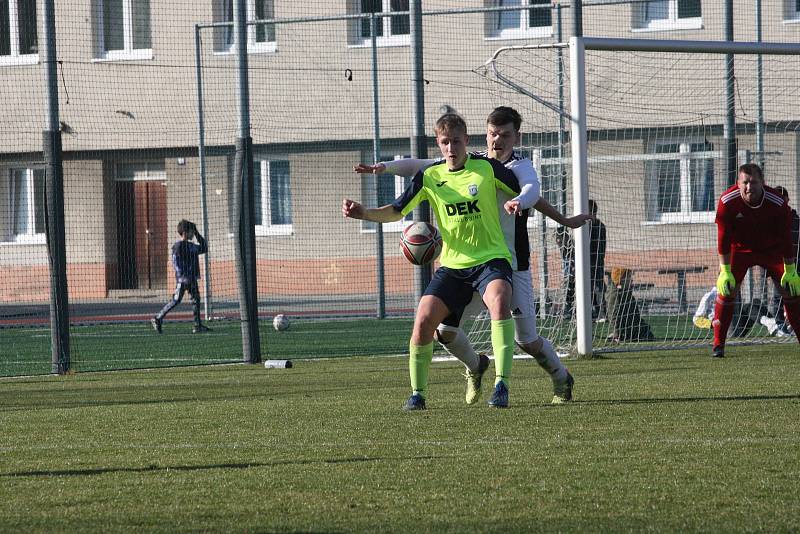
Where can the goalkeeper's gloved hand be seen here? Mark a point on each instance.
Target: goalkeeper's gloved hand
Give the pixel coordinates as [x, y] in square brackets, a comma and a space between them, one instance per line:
[790, 279]
[726, 283]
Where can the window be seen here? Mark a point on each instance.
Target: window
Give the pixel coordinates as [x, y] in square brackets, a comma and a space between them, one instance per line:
[273, 197]
[681, 182]
[18, 39]
[667, 15]
[382, 189]
[523, 23]
[791, 11]
[260, 37]
[26, 206]
[136, 172]
[124, 29]
[394, 30]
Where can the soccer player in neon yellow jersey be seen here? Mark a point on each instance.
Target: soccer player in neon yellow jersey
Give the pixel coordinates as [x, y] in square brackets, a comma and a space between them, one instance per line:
[462, 191]
[502, 134]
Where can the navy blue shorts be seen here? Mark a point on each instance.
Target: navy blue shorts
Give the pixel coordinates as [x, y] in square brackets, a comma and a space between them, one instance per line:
[456, 286]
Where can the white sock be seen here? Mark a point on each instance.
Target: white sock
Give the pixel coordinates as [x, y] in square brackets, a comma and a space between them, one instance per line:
[549, 361]
[462, 349]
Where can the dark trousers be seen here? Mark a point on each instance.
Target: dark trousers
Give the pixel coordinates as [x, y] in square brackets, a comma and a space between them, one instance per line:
[177, 297]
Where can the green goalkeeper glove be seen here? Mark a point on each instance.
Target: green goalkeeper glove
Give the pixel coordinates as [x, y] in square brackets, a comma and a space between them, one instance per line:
[726, 283]
[790, 279]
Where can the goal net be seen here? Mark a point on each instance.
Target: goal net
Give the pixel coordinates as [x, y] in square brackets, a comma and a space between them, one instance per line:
[657, 165]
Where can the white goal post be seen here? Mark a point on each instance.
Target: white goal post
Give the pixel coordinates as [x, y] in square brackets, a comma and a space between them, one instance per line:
[578, 45]
[687, 156]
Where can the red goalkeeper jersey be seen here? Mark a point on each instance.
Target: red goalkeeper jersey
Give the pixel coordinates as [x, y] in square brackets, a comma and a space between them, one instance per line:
[766, 228]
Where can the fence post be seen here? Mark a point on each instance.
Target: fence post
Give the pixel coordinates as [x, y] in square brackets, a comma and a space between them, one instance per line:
[419, 144]
[54, 199]
[243, 169]
[376, 156]
[201, 154]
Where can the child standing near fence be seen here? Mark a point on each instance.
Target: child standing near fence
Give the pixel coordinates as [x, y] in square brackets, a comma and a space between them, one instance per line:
[186, 262]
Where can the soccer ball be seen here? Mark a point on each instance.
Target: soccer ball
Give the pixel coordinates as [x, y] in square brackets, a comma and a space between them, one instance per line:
[280, 322]
[421, 243]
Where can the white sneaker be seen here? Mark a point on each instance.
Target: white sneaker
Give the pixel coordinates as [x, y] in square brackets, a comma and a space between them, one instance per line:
[782, 332]
[769, 322]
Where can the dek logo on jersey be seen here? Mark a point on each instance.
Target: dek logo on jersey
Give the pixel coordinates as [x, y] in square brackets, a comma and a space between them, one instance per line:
[462, 208]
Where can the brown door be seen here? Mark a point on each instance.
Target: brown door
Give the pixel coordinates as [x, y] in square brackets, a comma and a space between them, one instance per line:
[143, 247]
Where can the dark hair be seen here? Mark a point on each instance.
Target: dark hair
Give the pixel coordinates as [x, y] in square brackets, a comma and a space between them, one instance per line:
[592, 206]
[503, 115]
[751, 169]
[184, 226]
[449, 122]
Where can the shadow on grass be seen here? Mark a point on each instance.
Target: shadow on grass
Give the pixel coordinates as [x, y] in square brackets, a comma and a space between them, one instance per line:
[155, 468]
[689, 399]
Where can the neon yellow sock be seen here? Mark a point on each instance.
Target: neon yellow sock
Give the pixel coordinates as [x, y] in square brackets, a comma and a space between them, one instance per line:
[503, 347]
[419, 361]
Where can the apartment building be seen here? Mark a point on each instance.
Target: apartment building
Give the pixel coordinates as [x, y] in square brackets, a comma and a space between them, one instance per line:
[128, 88]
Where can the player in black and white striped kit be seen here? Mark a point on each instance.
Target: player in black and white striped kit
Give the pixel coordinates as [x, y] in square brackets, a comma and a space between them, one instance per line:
[502, 134]
[186, 262]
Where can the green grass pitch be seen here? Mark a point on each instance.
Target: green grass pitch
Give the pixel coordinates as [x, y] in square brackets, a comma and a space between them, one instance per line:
[655, 441]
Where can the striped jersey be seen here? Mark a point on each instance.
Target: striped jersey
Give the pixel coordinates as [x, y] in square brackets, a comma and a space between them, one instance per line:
[766, 228]
[464, 202]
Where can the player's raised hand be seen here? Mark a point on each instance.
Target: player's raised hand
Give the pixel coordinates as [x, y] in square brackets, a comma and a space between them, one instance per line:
[512, 207]
[352, 209]
[363, 168]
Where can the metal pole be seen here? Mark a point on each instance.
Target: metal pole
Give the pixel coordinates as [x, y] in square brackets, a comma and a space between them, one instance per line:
[729, 131]
[761, 157]
[580, 190]
[201, 153]
[560, 151]
[54, 199]
[577, 18]
[419, 146]
[243, 165]
[376, 157]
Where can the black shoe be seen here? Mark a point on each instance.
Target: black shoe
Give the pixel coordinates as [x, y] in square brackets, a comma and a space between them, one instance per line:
[155, 322]
[414, 402]
[200, 329]
[718, 352]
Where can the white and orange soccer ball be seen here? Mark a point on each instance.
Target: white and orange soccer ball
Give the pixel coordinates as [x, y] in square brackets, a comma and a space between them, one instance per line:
[421, 243]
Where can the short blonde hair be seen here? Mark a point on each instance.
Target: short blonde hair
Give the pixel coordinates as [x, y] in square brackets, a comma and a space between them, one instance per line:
[450, 122]
[619, 274]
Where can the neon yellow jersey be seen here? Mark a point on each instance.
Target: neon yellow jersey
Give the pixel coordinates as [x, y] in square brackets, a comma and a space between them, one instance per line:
[465, 204]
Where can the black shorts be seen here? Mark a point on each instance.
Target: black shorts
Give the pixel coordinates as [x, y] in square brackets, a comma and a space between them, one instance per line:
[455, 286]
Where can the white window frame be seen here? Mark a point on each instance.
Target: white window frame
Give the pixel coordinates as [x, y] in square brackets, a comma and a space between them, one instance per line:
[370, 192]
[143, 171]
[127, 52]
[524, 30]
[267, 228]
[15, 58]
[29, 238]
[672, 22]
[791, 11]
[253, 47]
[685, 156]
[387, 39]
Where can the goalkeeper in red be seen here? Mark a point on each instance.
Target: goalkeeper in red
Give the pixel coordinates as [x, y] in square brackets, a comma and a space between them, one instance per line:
[754, 227]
